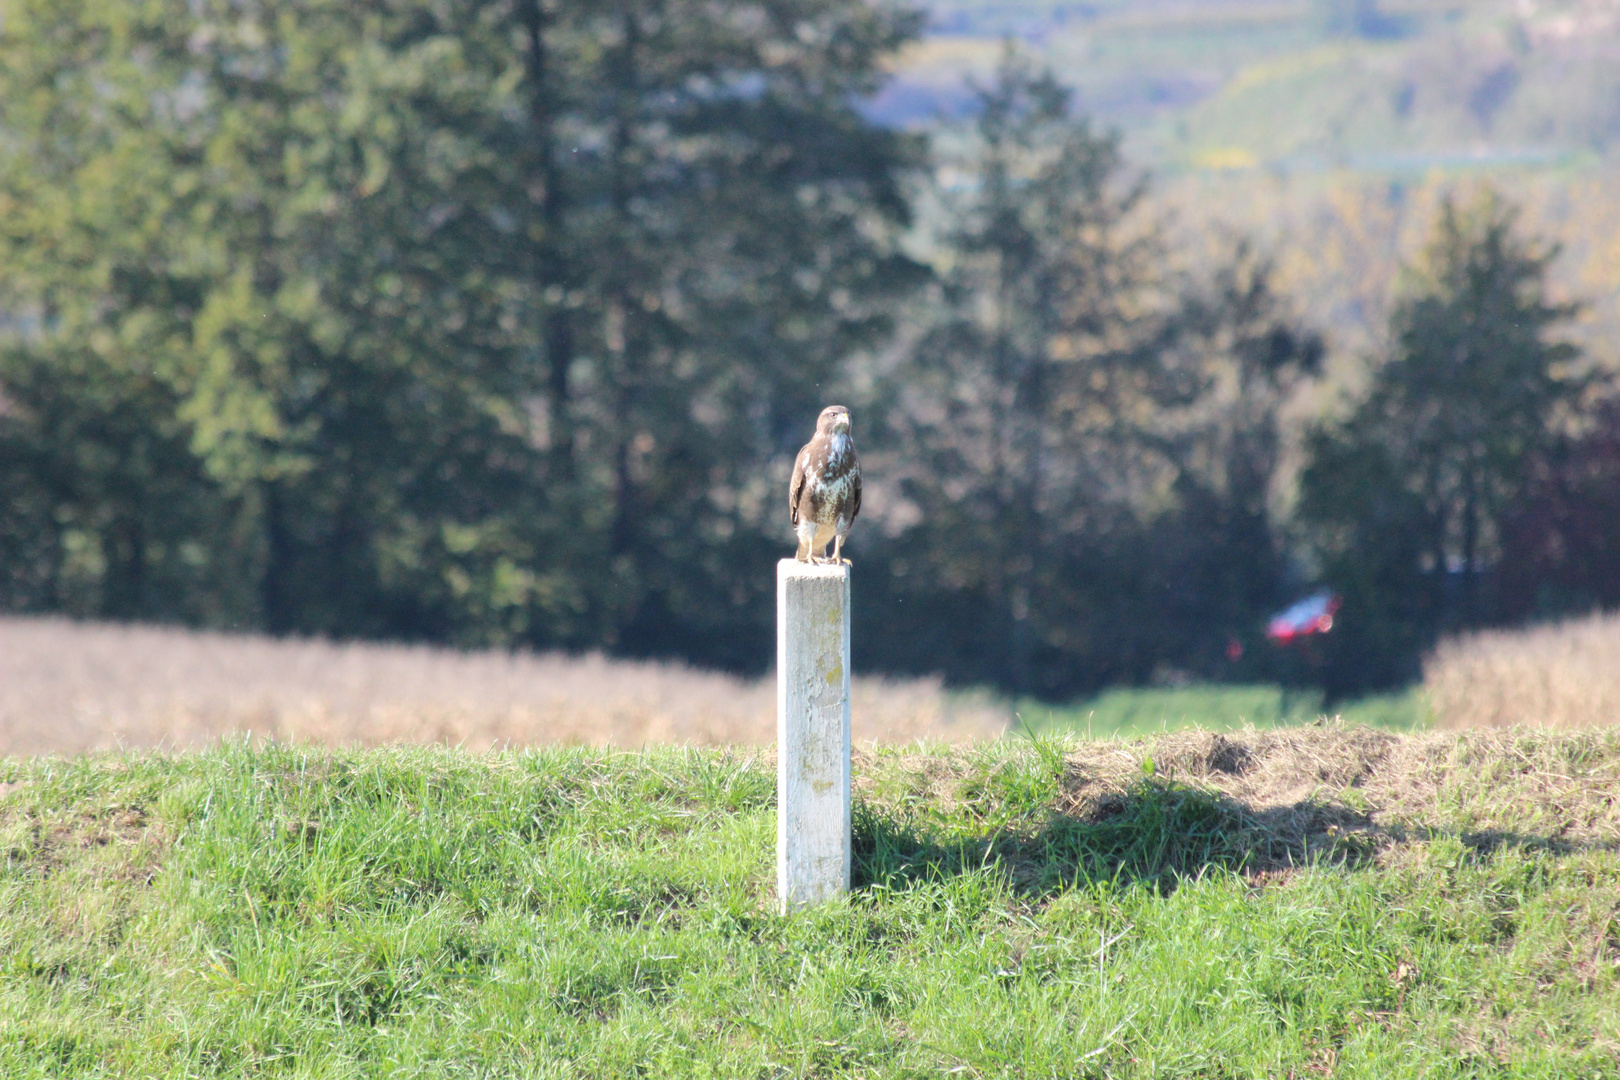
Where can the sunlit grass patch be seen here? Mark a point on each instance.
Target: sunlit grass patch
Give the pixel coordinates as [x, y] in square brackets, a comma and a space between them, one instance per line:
[1128, 712]
[1195, 905]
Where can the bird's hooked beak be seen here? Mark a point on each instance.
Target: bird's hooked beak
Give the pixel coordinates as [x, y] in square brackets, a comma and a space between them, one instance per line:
[840, 424]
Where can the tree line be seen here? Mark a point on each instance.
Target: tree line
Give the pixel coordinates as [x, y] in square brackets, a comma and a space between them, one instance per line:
[499, 323]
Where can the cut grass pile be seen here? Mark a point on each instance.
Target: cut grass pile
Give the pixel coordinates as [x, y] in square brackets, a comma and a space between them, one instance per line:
[1319, 901]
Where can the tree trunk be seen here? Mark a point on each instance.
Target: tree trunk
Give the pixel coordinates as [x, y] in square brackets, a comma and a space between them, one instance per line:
[274, 587]
[622, 361]
[622, 342]
[1470, 611]
[1028, 410]
[123, 590]
[550, 265]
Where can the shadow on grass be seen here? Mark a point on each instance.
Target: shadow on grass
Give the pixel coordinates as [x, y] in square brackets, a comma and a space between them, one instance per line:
[1158, 832]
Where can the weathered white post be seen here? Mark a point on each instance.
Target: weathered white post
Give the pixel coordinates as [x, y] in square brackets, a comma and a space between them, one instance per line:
[812, 733]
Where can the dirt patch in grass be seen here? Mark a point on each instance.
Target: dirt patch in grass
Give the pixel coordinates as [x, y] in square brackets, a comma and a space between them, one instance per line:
[122, 843]
[1560, 789]
[1257, 801]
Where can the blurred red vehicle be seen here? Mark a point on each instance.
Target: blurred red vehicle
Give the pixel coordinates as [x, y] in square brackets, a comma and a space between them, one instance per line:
[1312, 615]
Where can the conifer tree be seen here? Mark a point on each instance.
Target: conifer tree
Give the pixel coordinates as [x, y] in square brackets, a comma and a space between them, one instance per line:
[1026, 397]
[1407, 494]
[477, 322]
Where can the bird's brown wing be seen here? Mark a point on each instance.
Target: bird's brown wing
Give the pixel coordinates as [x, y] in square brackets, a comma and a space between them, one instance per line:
[796, 485]
[855, 500]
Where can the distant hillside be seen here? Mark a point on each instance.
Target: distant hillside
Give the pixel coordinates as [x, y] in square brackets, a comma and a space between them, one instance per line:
[1329, 130]
[1392, 85]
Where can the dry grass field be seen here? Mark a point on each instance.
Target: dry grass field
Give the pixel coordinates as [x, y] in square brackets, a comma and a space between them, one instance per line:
[69, 687]
[1563, 675]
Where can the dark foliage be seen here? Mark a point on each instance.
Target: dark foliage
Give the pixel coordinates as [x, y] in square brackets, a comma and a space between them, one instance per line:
[1561, 543]
[1409, 496]
[500, 323]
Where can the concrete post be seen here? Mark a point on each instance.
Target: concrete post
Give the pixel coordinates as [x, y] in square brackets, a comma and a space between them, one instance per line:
[812, 733]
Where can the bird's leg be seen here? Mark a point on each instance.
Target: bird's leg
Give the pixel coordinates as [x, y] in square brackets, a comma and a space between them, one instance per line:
[816, 544]
[807, 538]
[838, 547]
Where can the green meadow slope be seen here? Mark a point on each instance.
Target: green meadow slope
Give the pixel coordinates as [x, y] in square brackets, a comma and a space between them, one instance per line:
[1321, 901]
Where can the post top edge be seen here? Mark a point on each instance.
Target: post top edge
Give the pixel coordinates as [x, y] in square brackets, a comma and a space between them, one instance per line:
[793, 568]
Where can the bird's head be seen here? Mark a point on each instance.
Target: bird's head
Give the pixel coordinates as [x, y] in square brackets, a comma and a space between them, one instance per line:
[834, 420]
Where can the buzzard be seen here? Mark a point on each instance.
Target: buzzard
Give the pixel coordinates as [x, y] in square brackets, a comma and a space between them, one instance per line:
[825, 493]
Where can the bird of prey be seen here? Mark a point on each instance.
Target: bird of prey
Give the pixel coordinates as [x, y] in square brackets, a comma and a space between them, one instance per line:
[825, 492]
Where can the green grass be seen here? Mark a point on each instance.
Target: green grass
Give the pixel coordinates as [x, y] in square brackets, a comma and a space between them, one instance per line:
[1127, 712]
[274, 911]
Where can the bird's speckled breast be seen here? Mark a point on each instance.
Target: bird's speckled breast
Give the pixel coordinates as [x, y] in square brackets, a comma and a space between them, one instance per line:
[831, 496]
[831, 483]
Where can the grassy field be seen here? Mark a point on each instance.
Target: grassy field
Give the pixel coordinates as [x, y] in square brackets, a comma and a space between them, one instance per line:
[70, 687]
[1316, 901]
[1129, 712]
